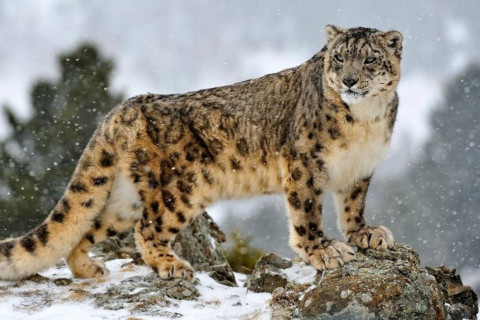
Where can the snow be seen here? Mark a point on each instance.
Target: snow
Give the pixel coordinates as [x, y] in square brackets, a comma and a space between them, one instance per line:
[45, 300]
[418, 93]
[300, 273]
[222, 302]
[457, 31]
[216, 301]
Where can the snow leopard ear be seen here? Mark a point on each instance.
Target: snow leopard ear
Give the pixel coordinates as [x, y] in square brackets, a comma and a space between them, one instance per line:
[331, 32]
[394, 41]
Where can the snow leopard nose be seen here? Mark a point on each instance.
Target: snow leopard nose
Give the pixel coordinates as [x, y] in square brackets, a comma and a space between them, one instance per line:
[350, 81]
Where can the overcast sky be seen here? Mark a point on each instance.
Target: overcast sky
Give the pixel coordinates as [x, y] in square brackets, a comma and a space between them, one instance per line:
[177, 46]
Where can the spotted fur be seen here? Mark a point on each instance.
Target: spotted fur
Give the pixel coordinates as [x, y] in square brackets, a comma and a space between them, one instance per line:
[157, 161]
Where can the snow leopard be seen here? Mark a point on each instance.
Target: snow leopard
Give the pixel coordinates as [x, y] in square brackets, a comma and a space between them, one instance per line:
[158, 160]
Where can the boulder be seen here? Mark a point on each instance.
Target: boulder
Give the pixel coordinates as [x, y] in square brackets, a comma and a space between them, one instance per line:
[377, 285]
[266, 276]
[199, 243]
[460, 300]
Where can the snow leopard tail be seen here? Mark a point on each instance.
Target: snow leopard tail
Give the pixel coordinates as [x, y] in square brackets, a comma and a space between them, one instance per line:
[73, 215]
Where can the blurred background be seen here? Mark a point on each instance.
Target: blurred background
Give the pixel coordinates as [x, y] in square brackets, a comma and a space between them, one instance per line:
[65, 63]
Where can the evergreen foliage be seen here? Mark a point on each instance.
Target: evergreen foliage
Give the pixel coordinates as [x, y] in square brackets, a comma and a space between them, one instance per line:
[242, 256]
[39, 156]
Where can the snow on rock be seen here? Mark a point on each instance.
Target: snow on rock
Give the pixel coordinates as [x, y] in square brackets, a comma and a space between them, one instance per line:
[133, 291]
[377, 285]
[301, 273]
[387, 284]
[130, 292]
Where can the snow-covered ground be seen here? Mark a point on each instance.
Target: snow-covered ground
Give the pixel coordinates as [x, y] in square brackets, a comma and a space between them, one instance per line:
[45, 300]
[131, 293]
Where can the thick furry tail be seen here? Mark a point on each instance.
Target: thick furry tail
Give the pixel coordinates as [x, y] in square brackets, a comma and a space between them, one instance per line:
[72, 217]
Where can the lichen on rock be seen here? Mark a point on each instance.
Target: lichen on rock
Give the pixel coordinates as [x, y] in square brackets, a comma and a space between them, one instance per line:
[377, 285]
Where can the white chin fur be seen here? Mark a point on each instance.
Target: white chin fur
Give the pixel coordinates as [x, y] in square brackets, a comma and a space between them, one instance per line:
[350, 98]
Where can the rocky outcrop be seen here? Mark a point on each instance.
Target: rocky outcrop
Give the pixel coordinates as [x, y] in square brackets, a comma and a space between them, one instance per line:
[377, 285]
[461, 302]
[131, 288]
[199, 243]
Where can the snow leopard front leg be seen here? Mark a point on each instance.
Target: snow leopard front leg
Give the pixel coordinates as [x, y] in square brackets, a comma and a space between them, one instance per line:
[351, 207]
[304, 181]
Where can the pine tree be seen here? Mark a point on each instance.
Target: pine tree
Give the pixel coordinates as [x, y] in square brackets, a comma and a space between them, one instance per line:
[39, 156]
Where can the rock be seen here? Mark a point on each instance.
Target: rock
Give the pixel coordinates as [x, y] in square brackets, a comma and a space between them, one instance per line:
[377, 285]
[284, 302]
[182, 291]
[271, 259]
[222, 273]
[146, 295]
[121, 246]
[179, 289]
[199, 243]
[266, 280]
[38, 278]
[266, 276]
[461, 302]
[62, 281]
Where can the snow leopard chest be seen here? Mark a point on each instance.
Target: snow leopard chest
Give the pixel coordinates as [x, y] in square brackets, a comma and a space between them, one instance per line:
[356, 155]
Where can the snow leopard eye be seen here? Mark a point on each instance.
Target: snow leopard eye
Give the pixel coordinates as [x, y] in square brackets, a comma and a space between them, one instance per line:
[339, 58]
[370, 60]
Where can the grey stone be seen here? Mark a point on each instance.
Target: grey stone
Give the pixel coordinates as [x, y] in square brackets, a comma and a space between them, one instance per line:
[199, 243]
[461, 302]
[266, 276]
[62, 281]
[271, 259]
[377, 285]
